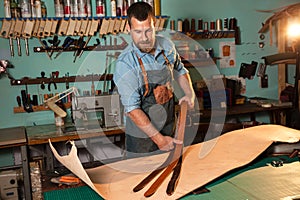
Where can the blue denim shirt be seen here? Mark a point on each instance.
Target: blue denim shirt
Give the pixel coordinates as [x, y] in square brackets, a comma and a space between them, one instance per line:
[127, 75]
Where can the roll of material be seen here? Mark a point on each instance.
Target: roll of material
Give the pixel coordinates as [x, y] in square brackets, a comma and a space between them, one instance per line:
[200, 25]
[179, 25]
[219, 25]
[172, 25]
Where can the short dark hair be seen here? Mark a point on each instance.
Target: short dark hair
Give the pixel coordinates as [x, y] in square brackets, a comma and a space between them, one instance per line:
[139, 10]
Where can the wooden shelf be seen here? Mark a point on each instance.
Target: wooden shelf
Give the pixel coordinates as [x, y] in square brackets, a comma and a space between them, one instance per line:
[209, 35]
[39, 108]
[32, 81]
[199, 62]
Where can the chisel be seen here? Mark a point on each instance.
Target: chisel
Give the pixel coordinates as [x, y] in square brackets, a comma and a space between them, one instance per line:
[11, 47]
[68, 41]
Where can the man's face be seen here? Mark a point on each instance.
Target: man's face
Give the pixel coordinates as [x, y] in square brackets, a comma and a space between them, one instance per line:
[143, 34]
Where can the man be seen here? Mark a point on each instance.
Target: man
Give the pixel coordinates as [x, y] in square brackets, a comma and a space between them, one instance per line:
[144, 74]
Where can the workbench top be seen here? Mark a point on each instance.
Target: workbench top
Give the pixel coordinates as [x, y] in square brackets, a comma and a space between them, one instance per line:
[41, 133]
[15, 136]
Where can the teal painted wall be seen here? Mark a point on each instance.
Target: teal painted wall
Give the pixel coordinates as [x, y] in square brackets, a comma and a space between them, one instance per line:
[249, 21]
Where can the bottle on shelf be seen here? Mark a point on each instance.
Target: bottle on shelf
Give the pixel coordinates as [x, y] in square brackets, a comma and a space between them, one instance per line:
[25, 8]
[81, 8]
[43, 9]
[88, 8]
[100, 8]
[38, 8]
[113, 6]
[14, 9]
[32, 7]
[7, 12]
[59, 9]
[74, 8]
[119, 8]
[67, 8]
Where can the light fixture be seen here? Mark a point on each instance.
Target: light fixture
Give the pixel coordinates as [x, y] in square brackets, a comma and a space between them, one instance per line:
[51, 102]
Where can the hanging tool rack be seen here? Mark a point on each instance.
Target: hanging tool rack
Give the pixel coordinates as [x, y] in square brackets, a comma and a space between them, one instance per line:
[32, 81]
[114, 46]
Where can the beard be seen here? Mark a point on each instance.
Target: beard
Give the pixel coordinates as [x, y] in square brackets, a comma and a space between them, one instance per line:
[145, 47]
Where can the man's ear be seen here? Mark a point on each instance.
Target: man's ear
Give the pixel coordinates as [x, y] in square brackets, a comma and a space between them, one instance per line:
[127, 27]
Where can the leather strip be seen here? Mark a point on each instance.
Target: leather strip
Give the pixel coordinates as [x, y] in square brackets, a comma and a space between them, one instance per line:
[175, 177]
[177, 152]
[144, 75]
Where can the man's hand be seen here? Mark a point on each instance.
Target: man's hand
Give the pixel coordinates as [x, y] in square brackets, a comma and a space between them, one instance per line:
[165, 143]
[190, 101]
[186, 85]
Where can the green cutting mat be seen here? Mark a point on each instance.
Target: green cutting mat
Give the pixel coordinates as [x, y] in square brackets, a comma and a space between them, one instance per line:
[219, 189]
[78, 193]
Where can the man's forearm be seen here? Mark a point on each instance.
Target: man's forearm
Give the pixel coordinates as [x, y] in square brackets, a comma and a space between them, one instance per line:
[142, 121]
[185, 83]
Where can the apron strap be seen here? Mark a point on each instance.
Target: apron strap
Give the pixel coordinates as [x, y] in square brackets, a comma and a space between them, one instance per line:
[144, 75]
[168, 64]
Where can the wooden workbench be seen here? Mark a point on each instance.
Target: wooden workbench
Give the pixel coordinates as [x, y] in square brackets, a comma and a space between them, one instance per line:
[40, 135]
[16, 137]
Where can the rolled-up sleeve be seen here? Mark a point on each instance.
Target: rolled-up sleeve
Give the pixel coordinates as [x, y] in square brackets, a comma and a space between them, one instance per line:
[127, 81]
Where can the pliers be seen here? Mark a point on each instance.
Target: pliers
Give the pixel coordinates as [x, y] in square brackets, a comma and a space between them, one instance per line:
[53, 75]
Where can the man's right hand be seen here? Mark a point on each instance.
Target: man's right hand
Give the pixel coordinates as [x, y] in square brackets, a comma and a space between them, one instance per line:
[165, 143]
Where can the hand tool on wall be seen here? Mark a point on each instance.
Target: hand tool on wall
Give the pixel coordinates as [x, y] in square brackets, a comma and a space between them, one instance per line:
[26, 101]
[105, 74]
[93, 86]
[67, 80]
[45, 46]
[79, 45]
[67, 42]
[53, 75]
[54, 42]
[18, 33]
[5, 28]
[85, 45]
[11, 47]
[26, 46]
[19, 46]
[43, 82]
[19, 101]
[27, 32]
[173, 162]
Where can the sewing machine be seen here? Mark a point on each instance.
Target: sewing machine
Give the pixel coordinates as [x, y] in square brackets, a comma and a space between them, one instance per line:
[105, 109]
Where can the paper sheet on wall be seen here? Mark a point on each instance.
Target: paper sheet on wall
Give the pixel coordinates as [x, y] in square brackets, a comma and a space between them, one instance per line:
[227, 51]
[202, 163]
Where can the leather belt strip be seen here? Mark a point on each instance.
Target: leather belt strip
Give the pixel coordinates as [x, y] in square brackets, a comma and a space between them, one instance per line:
[174, 158]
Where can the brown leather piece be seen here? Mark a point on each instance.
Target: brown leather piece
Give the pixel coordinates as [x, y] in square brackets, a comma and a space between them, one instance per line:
[163, 93]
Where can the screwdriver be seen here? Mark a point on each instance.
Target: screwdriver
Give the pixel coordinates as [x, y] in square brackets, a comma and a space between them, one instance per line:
[67, 42]
[26, 46]
[55, 42]
[11, 45]
[80, 45]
